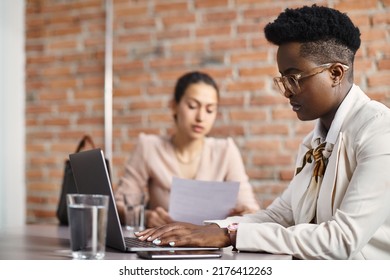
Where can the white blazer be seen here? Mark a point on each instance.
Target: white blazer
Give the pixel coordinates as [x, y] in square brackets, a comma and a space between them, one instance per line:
[353, 207]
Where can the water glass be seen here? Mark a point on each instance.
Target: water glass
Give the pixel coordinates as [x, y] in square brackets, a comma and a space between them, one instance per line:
[88, 225]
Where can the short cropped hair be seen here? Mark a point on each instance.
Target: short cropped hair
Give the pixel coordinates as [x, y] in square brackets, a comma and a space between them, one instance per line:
[326, 34]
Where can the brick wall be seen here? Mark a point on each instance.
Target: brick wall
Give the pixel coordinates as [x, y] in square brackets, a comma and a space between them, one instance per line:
[155, 41]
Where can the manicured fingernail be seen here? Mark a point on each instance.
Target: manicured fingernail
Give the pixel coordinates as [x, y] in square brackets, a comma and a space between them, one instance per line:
[149, 238]
[172, 243]
[156, 241]
[140, 237]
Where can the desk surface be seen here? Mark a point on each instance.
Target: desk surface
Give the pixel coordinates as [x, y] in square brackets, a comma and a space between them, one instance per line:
[51, 242]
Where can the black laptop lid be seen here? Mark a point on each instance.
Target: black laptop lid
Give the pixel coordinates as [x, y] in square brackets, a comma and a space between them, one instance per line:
[91, 175]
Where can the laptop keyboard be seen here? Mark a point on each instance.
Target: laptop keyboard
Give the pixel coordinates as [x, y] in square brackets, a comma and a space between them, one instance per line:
[133, 242]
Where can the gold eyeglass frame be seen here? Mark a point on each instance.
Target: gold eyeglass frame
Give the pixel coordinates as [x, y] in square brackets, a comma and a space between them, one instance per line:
[290, 82]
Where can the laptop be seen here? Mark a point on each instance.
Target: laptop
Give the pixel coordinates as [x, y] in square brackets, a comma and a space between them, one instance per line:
[91, 176]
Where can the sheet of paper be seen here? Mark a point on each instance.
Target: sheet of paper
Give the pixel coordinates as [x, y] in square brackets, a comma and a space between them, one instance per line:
[194, 201]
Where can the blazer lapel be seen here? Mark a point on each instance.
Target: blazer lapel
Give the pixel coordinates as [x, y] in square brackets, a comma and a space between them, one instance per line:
[328, 187]
[300, 181]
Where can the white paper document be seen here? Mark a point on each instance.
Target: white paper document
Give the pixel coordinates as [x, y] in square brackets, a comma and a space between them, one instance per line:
[194, 201]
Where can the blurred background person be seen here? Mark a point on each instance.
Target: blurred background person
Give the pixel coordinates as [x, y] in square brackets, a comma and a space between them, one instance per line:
[188, 153]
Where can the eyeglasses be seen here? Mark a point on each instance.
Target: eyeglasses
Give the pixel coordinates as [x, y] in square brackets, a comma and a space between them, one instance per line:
[290, 82]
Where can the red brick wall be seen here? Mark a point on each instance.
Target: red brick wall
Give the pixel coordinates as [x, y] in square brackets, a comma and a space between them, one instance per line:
[155, 41]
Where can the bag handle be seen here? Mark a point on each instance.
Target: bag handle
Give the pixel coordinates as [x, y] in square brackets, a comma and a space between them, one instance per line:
[86, 139]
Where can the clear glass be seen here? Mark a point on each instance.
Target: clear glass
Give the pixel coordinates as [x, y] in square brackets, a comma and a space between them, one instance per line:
[88, 225]
[134, 212]
[290, 82]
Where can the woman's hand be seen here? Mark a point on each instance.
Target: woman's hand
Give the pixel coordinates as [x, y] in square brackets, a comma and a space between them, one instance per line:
[157, 217]
[186, 235]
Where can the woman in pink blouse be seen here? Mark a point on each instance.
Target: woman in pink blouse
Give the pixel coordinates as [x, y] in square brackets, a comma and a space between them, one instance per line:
[188, 153]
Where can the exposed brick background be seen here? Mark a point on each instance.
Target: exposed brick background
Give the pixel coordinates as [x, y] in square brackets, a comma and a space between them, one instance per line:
[156, 41]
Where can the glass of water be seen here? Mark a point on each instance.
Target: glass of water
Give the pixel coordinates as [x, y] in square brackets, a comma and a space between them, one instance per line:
[87, 216]
[134, 212]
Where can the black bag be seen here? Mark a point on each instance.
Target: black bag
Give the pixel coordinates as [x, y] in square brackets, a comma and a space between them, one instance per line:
[68, 183]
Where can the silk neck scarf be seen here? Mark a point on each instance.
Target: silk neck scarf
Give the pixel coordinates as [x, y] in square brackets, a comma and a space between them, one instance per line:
[308, 203]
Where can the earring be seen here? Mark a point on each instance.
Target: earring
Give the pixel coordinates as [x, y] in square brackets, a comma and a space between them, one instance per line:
[336, 81]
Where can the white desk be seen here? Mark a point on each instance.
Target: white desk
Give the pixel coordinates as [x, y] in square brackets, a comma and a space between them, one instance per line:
[51, 242]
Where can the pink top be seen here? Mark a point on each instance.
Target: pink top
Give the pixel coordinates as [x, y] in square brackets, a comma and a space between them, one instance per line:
[153, 164]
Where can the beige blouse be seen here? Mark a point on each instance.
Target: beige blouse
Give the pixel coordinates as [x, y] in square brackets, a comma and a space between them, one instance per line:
[153, 163]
